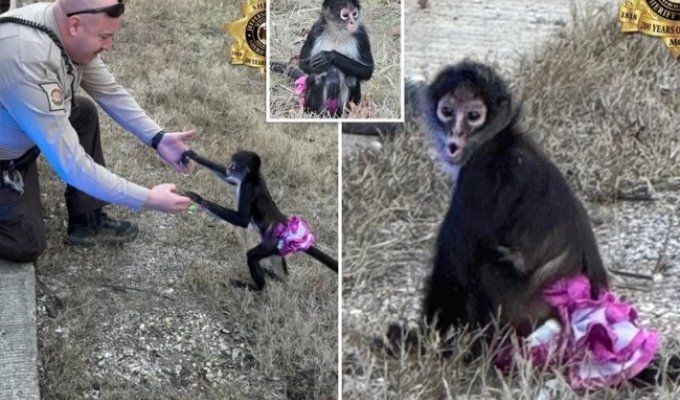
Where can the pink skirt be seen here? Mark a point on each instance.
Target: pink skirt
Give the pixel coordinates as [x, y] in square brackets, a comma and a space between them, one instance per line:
[294, 236]
[300, 89]
[600, 341]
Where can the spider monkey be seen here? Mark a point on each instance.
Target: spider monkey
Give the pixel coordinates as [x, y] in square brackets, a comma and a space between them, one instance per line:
[513, 226]
[256, 207]
[335, 58]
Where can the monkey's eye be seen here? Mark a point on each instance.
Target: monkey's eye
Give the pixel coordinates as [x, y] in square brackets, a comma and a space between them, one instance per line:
[344, 16]
[446, 112]
[355, 14]
[473, 116]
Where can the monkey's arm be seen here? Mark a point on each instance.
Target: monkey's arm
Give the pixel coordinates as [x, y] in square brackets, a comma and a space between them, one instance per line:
[456, 243]
[362, 69]
[306, 52]
[351, 67]
[239, 218]
[453, 294]
[447, 293]
[218, 169]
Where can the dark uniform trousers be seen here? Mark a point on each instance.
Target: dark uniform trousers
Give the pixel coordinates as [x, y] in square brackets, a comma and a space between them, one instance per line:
[22, 229]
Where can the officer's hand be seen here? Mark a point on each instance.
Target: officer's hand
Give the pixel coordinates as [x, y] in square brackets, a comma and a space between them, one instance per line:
[171, 148]
[164, 198]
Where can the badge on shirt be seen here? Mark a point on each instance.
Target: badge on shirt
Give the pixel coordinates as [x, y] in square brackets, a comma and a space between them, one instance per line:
[55, 96]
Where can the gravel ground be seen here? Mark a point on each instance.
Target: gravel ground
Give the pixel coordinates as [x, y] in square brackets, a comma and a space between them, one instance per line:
[149, 328]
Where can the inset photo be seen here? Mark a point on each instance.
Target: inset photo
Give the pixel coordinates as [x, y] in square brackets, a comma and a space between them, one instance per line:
[158, 239]
[518, 235]
[334, 59]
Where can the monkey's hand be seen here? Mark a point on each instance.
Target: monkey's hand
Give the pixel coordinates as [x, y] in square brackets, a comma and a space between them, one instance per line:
[171, 148]
[321, 62]
[194, 197]
[187, 156]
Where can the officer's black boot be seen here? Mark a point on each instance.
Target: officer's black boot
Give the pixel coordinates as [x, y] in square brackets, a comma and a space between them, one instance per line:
[96, 227]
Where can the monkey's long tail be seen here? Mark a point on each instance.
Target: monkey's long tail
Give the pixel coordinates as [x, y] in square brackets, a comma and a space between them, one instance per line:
[287, 69]
[324, 258]
[416, 102]
[372, 128]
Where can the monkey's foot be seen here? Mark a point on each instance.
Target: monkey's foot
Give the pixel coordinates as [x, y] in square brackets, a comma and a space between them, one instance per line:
[655, 375]
[398, 338]
[273, 275]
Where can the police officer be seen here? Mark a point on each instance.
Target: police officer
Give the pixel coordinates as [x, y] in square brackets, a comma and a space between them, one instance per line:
[47, 50]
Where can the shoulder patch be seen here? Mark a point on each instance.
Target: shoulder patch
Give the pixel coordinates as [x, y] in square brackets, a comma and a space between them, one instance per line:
[55, 96]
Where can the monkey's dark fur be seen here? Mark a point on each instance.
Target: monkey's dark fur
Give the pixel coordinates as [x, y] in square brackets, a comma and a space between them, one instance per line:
[513, 226]
[372, 128]
[256, 206]
[509, 199]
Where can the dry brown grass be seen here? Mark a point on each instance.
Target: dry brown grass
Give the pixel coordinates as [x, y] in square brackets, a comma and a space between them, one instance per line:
[598, 101]
[290, 21]
[602, 103]
[282, 343]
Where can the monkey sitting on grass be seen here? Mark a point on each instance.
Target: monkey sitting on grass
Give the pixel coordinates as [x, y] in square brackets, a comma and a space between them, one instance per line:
[280, 235]
[517, 244]
[335, 58]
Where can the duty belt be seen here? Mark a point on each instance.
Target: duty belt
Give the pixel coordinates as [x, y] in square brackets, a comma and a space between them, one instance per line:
[11, 169]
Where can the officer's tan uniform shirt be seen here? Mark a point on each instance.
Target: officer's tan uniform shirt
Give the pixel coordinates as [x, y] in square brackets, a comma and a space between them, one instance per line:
[35, 103]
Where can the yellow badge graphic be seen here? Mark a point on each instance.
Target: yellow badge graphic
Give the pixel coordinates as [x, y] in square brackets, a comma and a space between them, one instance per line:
[658, 18]
[250, 34]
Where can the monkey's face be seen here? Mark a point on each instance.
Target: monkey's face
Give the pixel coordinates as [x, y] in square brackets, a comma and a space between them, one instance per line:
[235, 174]
[351, 16]
[462, 113]
[347, 13]
[243, 163]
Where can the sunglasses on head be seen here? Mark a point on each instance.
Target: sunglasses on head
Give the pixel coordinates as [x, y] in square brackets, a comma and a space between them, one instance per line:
[113, 11]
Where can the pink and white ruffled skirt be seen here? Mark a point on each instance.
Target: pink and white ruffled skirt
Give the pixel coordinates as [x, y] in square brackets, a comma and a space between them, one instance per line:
[599, 341]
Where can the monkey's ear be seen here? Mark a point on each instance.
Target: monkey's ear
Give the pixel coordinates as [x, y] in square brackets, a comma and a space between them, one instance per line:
[420, 99]
[515, 110]
[506, 111]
